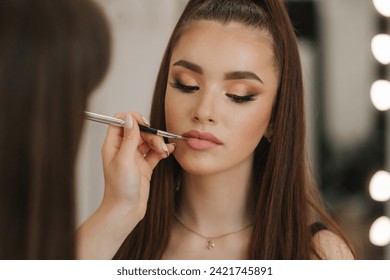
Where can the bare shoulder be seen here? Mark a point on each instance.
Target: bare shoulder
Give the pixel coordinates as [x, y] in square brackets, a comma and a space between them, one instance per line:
[331, 247]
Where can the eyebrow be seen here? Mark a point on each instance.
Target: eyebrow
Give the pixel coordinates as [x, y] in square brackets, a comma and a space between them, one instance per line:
[239, 75]
[189, 65]
[235, 75]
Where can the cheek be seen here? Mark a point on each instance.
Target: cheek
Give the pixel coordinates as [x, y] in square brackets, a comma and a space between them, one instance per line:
[245, 139]
[174, 111]
[169, 113]
[251, 126]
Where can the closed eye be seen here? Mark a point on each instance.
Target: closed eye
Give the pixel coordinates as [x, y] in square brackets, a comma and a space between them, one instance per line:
[184, 88]
[240, 98]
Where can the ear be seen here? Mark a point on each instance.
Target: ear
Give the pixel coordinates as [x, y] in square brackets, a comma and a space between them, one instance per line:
[269, 132]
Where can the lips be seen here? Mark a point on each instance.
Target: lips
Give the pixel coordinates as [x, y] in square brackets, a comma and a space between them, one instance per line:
[201, 140]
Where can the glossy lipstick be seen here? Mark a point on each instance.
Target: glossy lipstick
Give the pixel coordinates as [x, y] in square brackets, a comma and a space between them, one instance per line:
[201, 141]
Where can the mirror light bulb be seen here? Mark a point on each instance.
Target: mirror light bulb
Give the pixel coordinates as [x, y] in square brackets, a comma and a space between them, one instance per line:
[380, 231]
[380, 95]
[380, 46]
[383, 7]
[379, 187]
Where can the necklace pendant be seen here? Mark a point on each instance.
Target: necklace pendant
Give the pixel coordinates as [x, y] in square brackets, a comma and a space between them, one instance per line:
[210, 244]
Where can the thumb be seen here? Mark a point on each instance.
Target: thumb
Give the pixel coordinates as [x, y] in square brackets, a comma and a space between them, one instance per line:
[130, 138]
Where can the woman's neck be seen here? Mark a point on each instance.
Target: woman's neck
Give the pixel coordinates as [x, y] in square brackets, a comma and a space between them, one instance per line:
[218, 203]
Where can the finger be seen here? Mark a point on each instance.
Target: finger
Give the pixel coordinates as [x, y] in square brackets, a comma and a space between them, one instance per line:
[143, 148]
[131, 137]
[153, 157]
[141, 120]
[115, 135]
[156, 143]
[171, 147]
[112, 143]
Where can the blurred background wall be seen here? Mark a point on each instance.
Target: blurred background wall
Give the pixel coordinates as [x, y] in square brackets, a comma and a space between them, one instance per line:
[349, 137]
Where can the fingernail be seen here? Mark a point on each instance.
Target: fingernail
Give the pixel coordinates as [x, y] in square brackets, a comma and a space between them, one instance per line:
[146, 122]
[165, 148]
[128, 121]
[174, 146]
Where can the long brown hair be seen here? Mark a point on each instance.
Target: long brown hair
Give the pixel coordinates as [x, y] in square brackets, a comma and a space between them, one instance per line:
[53, 54]
[285, 198]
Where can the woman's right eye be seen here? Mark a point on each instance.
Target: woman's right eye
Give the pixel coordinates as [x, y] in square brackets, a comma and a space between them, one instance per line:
[184, 88]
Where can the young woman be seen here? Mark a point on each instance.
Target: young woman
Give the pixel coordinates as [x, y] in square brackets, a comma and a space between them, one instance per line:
[240, 187]
[53, 55]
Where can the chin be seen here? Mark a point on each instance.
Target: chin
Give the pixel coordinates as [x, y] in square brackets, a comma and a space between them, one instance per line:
[200, 167]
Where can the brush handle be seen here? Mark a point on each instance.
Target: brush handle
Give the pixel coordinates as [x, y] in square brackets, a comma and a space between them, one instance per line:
[119, 122]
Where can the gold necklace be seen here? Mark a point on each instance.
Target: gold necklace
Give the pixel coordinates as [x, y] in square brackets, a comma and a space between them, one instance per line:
[211, 239]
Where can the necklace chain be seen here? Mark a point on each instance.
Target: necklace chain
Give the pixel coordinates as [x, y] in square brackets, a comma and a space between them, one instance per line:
[211, 239]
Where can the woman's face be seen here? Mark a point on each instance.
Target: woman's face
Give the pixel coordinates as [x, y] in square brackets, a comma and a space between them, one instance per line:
[221, 88]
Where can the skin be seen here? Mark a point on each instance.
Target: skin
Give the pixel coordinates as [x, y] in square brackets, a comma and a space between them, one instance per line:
[216, 181]
[219, 50]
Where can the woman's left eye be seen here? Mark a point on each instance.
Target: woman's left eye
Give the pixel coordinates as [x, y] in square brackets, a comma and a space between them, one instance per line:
[240, 98]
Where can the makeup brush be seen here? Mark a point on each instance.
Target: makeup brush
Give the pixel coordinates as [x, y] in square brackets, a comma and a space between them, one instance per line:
[118, 122]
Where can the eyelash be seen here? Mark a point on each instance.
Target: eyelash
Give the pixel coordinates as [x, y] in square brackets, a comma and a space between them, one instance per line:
[240, 98]
[184, 88]
[191, 89]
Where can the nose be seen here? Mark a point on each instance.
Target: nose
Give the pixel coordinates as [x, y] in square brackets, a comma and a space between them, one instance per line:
[205, 108]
